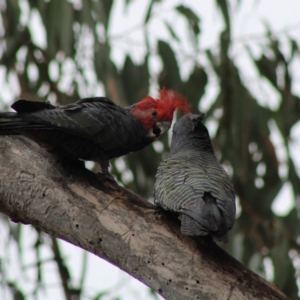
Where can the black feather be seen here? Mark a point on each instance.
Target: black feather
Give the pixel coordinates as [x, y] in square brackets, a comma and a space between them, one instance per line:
[91, 129]
[26, 106]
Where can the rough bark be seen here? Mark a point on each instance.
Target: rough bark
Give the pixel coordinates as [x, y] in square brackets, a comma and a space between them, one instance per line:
[71, 203]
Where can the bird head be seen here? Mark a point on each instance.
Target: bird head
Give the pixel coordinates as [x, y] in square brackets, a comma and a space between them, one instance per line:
[188, 124]
[156, 115]
[189, 132]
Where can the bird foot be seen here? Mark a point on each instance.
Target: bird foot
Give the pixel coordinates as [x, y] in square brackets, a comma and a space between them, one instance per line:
[106, 176]
[159, 210]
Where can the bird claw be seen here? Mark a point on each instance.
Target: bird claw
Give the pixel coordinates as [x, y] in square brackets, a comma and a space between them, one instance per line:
[107, 176]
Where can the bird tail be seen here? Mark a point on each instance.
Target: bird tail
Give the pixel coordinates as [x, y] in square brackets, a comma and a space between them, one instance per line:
[12, 124]
[8, 116]
[221, 238]
[207, 221]
[8, 122]
[190, 226]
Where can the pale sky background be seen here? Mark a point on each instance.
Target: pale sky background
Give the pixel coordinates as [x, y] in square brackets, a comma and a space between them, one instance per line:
[248, 24]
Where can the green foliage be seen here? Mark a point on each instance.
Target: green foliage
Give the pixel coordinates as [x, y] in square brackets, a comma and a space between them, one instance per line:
[78, 42]
[191, 17]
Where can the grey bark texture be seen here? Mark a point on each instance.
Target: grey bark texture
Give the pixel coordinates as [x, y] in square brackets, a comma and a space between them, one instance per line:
[71, 203]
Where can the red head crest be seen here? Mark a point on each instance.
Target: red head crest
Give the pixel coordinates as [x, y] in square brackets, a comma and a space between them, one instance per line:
[149, 110]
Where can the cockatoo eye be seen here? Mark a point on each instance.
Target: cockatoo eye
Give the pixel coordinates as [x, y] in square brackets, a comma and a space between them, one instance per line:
[154, 113]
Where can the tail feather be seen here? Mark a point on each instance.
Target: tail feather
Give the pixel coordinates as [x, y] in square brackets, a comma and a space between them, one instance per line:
[7, 122]
[222, 238]
[204, 218]
[12, 124]
[8, 116]
[204, 221]
[190, 226]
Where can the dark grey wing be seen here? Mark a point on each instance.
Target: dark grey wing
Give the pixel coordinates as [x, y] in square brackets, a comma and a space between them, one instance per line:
[103, 100]
[221, 189]
[183, 185]
[91, 118]
[177, 182]
[217, 187]
[180, 187]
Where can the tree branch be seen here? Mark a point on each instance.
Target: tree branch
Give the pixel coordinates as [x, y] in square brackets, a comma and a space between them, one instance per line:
[71, 203]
